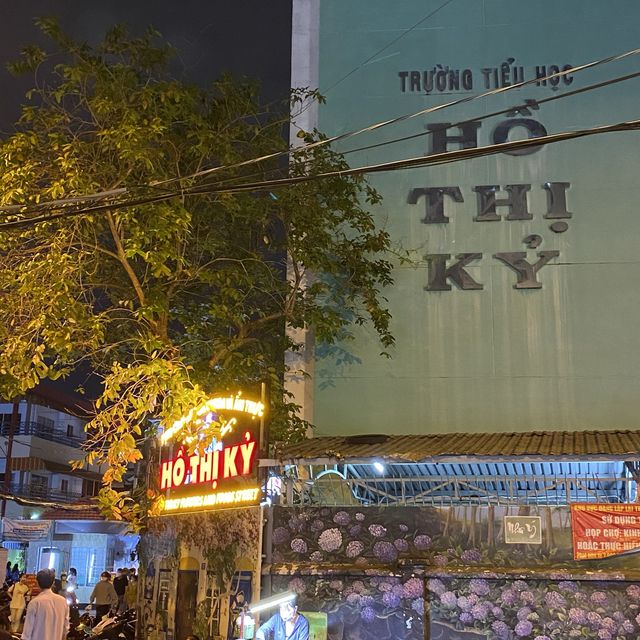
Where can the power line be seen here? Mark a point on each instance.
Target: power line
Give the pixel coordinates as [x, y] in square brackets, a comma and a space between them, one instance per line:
[410, 163]
[159, 184]
[389, 44]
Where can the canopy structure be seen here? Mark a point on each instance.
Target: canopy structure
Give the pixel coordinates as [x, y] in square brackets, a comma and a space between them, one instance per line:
[554, 468]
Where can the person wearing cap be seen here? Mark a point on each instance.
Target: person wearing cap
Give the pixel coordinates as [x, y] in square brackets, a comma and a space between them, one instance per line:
[48, 613]
[287, 624]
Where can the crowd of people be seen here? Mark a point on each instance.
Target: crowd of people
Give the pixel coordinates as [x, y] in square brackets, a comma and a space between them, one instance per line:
[110, 596]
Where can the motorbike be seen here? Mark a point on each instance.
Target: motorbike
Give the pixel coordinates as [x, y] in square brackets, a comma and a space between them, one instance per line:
[121, 626]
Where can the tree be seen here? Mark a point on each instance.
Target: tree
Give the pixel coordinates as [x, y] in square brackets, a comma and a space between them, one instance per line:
[169, 285]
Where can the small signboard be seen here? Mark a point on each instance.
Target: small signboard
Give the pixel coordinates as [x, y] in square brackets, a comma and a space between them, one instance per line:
[523, 529]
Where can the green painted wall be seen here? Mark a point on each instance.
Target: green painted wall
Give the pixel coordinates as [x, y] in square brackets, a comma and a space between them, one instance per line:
[566, 356]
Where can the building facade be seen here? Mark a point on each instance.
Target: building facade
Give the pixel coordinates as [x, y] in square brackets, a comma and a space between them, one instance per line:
[50, 520]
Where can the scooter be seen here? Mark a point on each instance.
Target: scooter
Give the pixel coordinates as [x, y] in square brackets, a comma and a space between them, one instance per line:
[122, 626]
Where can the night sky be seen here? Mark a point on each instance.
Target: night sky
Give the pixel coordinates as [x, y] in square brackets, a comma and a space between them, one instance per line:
[247, 38]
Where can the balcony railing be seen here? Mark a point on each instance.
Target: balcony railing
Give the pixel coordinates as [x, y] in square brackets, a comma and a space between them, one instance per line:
[41, 431]
[46, 493]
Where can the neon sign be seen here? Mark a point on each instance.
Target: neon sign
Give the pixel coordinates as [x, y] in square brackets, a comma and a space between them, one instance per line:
[198, 415]
[217, 498]
[219, 464]
[224, 474]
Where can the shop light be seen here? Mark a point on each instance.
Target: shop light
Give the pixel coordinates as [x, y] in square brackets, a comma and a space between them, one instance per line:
[379, 467]
[274, 601]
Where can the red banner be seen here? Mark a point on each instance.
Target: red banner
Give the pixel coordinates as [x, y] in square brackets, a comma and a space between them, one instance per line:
[602, 530]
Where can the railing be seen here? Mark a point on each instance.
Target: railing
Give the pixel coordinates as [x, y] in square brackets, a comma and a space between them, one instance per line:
[41, 431]
[40, 492]
[451, 490]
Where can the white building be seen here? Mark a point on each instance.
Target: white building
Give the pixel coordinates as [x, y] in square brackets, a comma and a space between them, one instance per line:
[36, 449]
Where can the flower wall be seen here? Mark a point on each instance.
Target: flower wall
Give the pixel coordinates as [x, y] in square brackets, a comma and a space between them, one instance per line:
[374, 571]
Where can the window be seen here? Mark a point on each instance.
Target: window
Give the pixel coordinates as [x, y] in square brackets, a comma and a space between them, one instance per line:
[70, 431]
[64, 486]
[45, 424]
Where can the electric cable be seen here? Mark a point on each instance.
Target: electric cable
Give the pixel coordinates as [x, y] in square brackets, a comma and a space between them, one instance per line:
[299, 150]
[420, 161]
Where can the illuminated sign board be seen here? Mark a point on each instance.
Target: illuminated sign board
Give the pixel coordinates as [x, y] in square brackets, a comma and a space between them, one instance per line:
[225, 474]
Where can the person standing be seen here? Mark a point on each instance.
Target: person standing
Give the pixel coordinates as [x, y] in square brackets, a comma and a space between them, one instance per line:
[131, 594]
[72, 579]
[18, 592]
[120, 583]
[47, 614]
[105, 596]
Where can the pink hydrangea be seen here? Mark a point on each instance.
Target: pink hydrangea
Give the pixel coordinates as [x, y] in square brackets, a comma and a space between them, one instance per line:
[330, 539]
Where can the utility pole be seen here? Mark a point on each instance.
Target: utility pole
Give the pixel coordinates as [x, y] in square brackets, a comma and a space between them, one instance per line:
[13, 427]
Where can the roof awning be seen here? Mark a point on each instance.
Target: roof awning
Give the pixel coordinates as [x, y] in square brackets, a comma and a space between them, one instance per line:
[461, 447]
[33, 463]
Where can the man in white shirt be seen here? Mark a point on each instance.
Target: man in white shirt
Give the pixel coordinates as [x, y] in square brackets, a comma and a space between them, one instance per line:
[48, 613]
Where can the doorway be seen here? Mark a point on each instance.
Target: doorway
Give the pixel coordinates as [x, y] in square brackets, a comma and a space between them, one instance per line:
[186, 602]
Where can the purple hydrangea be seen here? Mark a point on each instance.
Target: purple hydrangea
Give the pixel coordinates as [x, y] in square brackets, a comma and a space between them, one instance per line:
[398, 589]
[599, 598]
[633, 591]
[555, 600]
[594, 619]
[391, 600]
[520, 585]
[367, 601]
[297, 585]
[353, 598]
[509, 597]
[501, 629]
[568, 585]
[480, 611]
[422, 542]
[440, 561]
[355, 530]
[359, 517]
[299, 545]
[497, 613]
[618, 616]
[466, 618]
[377, 530]
[470, 556]
[316, 556]
[385, 551]
[338, 585]
[479, 586]
[401, 545]
[523, 628]
[577, 615]
[404, 528]
[418, 606]
[358, 586]
[317, 525]
[413, 588]
[368, 614]
[528, 597]
[464, 604]
[605, 634]
[626, 627]
[330, 539]
[296, 524]
[280, 535]
[542, 638]
[436, 586]
[449, 600]
[523, 613]
[342, 517]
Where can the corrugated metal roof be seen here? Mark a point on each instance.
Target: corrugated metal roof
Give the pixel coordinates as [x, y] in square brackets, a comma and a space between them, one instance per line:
[439, 447]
